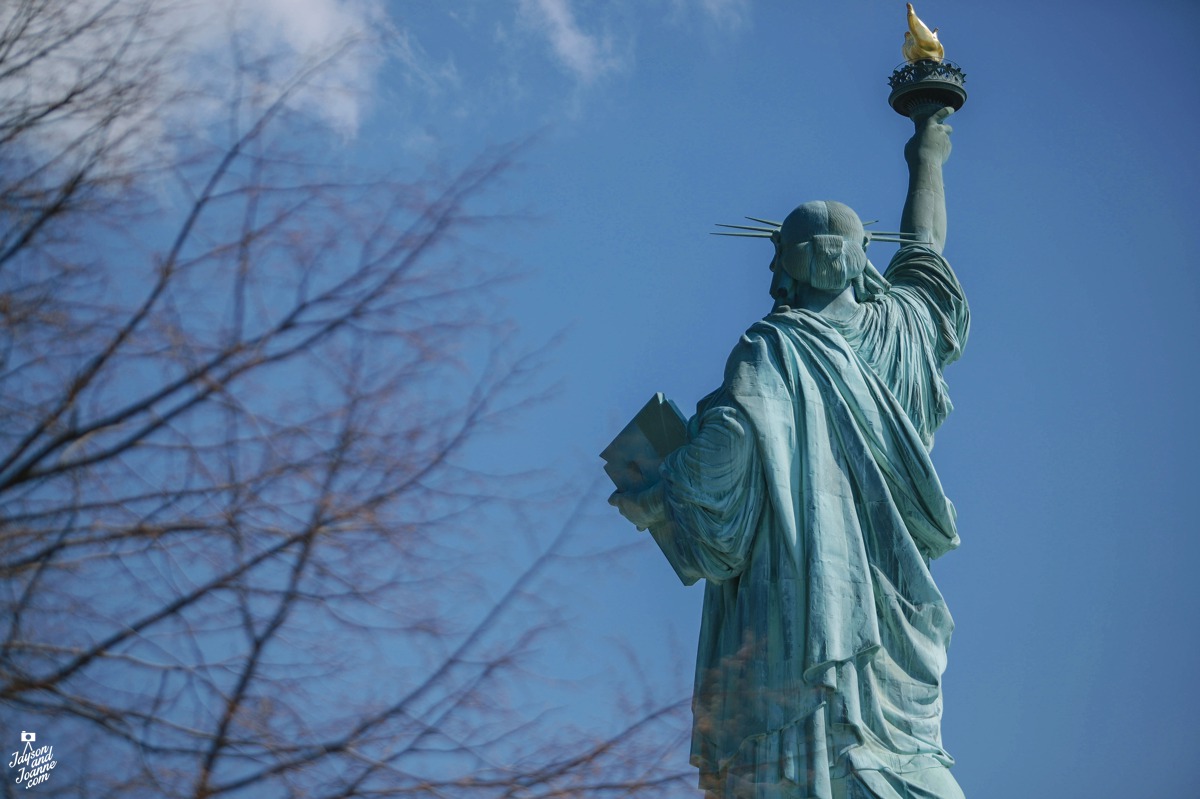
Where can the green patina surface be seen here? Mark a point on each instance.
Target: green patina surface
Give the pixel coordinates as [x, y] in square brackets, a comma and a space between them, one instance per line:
[805, 497]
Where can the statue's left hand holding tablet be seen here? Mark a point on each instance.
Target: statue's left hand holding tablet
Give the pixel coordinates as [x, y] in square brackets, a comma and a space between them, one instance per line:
[633, 459]
[644, 508]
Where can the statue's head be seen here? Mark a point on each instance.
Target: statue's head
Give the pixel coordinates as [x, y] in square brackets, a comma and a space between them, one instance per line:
[820, 244]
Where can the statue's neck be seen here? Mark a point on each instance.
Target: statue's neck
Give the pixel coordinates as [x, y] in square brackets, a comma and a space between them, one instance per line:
[833, 305]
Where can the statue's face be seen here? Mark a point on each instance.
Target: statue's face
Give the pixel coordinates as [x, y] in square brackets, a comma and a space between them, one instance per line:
[821, 245]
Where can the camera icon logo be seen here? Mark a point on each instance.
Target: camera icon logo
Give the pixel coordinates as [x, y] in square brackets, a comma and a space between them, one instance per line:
[28, 737]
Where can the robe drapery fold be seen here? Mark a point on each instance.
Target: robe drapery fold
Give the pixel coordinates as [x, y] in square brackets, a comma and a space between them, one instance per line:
[807, 501]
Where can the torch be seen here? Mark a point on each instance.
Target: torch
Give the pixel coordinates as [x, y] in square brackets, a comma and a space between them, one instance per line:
[926, 81]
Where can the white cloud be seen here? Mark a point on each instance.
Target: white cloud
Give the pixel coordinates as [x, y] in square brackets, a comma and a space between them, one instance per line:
[285, 37]
[587, 57]
[190, 60]
[727, 15]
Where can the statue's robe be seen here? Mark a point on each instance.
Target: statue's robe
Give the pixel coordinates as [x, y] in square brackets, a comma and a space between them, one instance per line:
[807, 500]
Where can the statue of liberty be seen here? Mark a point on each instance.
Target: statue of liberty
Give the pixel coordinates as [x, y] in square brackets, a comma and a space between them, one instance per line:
[805, 497]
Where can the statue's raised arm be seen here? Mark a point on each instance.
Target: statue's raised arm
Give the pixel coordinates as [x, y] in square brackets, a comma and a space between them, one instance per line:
[925, 206]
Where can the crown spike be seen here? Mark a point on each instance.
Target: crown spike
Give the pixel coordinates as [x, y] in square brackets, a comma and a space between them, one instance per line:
[747, 227]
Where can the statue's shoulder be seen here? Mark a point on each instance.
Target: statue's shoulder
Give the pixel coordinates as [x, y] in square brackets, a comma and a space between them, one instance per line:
[784, 317]
[771, 328]
[773, 340]
[917, 259]
[759, 345]
[786, 322]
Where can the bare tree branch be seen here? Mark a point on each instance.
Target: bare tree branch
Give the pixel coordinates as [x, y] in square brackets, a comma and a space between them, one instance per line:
[243, 551]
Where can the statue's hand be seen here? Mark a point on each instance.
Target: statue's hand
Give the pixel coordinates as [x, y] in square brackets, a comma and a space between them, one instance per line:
[931, 142]
[643, 508]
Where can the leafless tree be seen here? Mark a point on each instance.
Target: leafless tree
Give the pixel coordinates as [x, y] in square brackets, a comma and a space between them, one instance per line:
[236, 390]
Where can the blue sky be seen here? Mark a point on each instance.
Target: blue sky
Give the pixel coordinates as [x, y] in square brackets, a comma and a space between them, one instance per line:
[1072, 193]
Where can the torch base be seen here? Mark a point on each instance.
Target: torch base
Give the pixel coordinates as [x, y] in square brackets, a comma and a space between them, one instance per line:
[917, 86]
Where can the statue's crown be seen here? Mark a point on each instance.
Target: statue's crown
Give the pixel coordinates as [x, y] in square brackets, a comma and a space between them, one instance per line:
[819, 216]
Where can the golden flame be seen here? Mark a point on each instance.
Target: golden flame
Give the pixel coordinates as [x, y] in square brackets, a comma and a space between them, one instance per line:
[920, 42]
